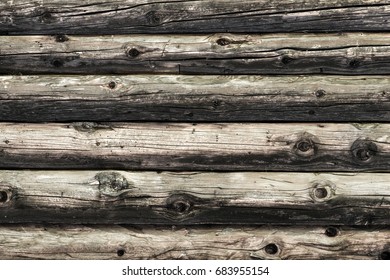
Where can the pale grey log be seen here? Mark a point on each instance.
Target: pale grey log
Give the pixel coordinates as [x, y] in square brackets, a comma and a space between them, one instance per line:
[194, 98]
[107, 242]
[102, 197]
[183, 146]
[345, 53]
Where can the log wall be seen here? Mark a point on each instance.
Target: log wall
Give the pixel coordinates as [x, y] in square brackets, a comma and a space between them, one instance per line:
[143, 129]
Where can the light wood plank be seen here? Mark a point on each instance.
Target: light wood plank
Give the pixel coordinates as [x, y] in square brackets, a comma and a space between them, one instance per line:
[104, 197]
[185, 146]
[341, 53]
[107, 242]
[194, 98]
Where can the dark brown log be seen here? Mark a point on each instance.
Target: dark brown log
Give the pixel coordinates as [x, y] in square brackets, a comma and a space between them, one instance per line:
[181, 146]
[105, 197]
[119, 242]
[194, 98]
[177, 16]
[345, 53]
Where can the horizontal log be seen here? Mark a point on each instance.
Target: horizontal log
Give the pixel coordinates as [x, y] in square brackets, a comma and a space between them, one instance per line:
[105, 197]
[119, 242]
[177, 16]
[345, 53]
[184, 146]
[194, 98]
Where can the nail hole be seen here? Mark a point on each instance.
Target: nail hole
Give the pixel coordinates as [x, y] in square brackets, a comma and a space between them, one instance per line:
[385, 255]
[331, 232]
[319, 93]
[320, 193]
[112, 85]
[3, 196]
[133, 52]
[354, 63]
[61, 38]
[271, 249]
[223, 42]
[120, 252]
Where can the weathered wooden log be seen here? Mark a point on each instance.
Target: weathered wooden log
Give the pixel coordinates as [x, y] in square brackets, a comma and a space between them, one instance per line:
[105, 197]
[349, 53]
[184, 146]
[119, 242]
[194, 98]
[177, 16]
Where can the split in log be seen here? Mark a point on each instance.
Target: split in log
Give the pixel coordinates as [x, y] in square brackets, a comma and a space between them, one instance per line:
[194, 98]
[183, 146]
[19, 17]
[106, 197]
[119, 242]
[349, 53]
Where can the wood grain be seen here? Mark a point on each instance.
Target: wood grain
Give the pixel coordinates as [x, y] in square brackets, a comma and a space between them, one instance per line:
[107, 242]
[178, 16]
[341, 53]
[194, 98]
[105, 197]
[186, 146]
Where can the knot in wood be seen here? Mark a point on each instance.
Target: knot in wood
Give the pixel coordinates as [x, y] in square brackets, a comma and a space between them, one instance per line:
[61, 38]
[111, 85]
[223, 41]
[354, 63]
[3, 196]
[287, 59]
[305, 146]
[364, 151]
[45, 15]
[6, 194]
[331, 232]
[112, 183]
[271, 249]
[180, 203]
[57, 63]
[153, 18]
[319, 93]
[133, 52]
[322, 191]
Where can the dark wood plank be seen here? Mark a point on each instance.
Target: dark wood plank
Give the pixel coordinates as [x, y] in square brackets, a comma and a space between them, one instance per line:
[345, 53]
[105, 197]
[178, 16]
[241, 243]
[183, 146]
